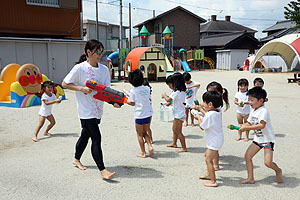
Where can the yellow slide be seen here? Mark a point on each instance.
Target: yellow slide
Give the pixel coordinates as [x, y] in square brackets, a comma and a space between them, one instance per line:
[169, 66]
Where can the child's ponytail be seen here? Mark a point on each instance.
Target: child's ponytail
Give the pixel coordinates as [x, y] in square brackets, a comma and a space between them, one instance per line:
[218, 87]
[225, 98]
[82, 58]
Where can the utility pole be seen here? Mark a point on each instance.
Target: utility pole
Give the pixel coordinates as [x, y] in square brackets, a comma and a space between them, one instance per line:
[97, 34]
[121, 43]
[130, 26]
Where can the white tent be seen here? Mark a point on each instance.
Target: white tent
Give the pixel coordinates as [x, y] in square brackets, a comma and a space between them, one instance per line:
[287, 47]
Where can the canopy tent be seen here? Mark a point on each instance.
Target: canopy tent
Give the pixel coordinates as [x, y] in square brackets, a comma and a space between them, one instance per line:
[287, 47]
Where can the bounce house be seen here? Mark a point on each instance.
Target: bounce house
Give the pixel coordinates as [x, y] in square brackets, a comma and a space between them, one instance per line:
[261, 63]
[20, 86]
[287, 47]
[150, 60]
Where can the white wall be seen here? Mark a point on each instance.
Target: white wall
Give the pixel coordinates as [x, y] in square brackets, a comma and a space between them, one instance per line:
[54, 58]
[229, 59]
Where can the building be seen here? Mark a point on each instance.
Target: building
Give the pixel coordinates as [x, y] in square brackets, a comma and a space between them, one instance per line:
[184, 25]
[108, 33]
[217, 35]
[59, 19]
[278, 30]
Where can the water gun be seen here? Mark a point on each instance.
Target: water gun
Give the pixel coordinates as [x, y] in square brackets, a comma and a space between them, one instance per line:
[233, 127]
[107, 94]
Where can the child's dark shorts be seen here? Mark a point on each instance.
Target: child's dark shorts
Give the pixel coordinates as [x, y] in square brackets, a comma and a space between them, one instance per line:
[143, 121]
[268, 145]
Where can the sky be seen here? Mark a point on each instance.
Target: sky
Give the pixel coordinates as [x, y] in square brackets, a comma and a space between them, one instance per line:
[255, 14]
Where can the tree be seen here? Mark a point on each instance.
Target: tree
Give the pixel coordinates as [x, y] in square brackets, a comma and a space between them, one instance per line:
[292, 12]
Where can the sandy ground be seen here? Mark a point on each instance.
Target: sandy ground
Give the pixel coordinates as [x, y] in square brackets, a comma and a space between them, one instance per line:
[43, 170]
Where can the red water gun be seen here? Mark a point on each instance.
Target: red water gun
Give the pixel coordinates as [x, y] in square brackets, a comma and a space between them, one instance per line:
[107, 94]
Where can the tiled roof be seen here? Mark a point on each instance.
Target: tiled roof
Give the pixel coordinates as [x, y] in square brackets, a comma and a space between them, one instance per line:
[224, 26]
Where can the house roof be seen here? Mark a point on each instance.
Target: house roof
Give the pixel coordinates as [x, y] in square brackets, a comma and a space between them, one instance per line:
[221, 40]
[279, 34]
[224, 26]
[88, 21]
[280, 25]
[169, 11]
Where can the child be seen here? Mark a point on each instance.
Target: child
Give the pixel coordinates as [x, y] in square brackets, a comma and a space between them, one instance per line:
[191, 92]
[243, 108]
[48, 98]
[215, 86]
[258, 82]
[259, 121]
[176, 83]
[149, 131]
[212, 124]
[90, 110]
[140, 98]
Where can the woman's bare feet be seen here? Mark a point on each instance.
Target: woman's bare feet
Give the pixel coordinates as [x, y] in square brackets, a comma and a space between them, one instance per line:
[205, 177]
[247, 181]
[47, 134]
[141, 155]
[181, 150]
[210, 184]
[78, 164]
[172, 145]
[246, 139]
[279, 178]
[238, 138]
[35, 139]
[105, 174]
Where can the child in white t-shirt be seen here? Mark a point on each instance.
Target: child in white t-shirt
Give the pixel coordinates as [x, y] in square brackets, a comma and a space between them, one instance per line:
[243, 108]
[176, 83]
[140, 98]
[212, 124]
[48, 98]
[259, 121]
[191, 96]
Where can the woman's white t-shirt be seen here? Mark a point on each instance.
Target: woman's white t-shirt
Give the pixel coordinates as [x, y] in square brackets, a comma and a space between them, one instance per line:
[88, 107]
[212, 124]
[242, 97]
[191, 93]
[45, 110]
[141, 97]
[262, 135]
[178, 98]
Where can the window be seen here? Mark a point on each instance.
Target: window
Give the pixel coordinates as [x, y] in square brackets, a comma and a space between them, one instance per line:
[50, 3]
[172, 28]
[84, 32]
[142, 68]
[161, 68]
[156, 28]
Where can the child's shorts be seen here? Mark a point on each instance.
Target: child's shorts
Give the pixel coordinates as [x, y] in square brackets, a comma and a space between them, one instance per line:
[268, 145]
[143, 121]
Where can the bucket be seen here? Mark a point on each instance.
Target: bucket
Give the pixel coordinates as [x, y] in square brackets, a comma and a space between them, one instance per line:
[166, 113]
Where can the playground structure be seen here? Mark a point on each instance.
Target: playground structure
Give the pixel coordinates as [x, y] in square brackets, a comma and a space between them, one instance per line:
[182, 57]
[194, 58]
[260, 64]
[20, 86]
[144, 37]
[287, 47]
[150, 60]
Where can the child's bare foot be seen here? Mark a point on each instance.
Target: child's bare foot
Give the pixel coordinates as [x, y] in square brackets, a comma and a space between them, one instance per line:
[78, 164]
[185, 124]
[246, 139]
[35, 139]
[238, 138]
[181, 150]
[141, 155]
[172, 145]
[105, 174]
[279, 178]
[193, 124]
[210, 184]
[247, 181]
[205, 177]
[47, 134]
[216, 167]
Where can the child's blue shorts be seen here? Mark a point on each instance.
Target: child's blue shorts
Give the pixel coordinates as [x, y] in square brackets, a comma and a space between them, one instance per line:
[143, 121]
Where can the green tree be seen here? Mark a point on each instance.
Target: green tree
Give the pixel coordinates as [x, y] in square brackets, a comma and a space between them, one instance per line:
[292, 12]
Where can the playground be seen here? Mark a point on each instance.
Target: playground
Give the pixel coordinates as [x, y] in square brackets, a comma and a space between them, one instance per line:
[44, 171]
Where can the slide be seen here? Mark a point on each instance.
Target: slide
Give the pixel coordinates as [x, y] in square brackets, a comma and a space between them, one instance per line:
[185, 66]
[169, 66]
